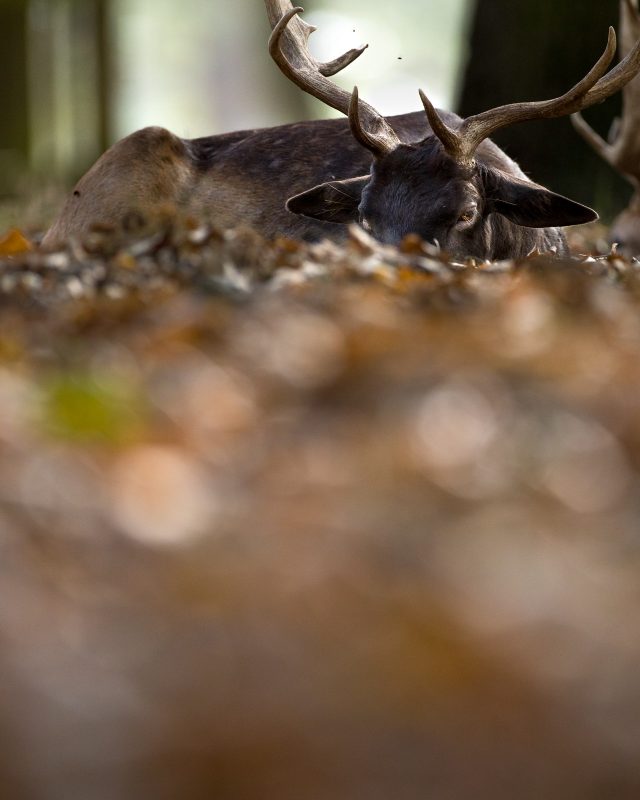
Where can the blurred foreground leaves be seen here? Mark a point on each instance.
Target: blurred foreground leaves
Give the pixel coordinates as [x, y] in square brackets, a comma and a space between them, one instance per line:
[80, 406]
[324, 521]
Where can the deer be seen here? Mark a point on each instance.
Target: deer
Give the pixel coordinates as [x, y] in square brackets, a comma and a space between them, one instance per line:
[622, 150]
[429, 173]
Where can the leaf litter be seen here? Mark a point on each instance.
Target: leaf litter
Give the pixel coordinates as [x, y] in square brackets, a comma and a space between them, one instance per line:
[317, 520]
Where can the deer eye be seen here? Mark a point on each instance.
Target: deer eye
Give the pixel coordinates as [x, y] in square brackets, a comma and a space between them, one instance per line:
[466, 218]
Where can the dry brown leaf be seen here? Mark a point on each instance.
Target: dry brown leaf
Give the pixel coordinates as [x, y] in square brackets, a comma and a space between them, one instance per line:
[14, 243]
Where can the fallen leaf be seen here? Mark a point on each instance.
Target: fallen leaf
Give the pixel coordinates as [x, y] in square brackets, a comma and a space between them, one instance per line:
[14, 243]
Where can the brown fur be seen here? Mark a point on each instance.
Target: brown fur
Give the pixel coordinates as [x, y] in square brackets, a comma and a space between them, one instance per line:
[140, 172]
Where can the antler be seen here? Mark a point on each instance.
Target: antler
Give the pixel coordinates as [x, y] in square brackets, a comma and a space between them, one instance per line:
[288, 46]
[595, 87]
[623, 149]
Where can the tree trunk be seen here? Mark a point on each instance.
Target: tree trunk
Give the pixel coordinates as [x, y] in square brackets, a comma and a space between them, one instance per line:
[69, 85]
[104, 45]
[14, 131]
[535, 50]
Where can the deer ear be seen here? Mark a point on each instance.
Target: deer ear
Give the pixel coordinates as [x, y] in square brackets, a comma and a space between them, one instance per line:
[531, 205]
[334, 201]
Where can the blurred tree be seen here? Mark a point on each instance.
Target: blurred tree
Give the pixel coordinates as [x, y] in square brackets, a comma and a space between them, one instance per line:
[534, 50]
[54, 57]
[68, 62]
[13, 68]
[104, 45]
[211, 73]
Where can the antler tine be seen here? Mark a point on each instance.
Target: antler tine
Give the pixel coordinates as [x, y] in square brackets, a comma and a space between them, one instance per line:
[330, 68]
[451, 141]
[595, 87]
[288, 46]
[380, 141]
[617, 79]
[622, 152]
[326, 69]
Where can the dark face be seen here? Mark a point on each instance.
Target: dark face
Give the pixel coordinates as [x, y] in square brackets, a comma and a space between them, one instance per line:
[419, 189]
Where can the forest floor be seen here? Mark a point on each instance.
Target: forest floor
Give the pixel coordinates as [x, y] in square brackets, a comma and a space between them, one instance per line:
[290, 521]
